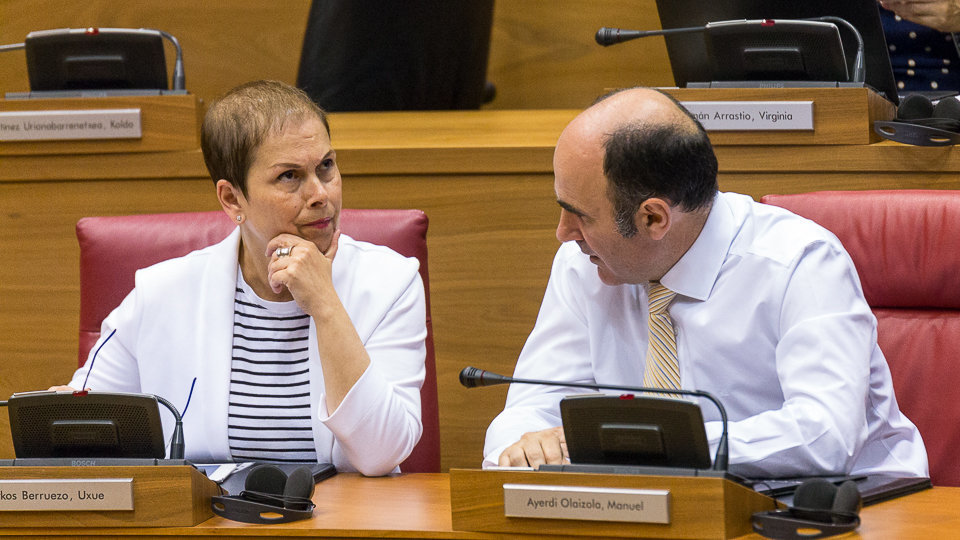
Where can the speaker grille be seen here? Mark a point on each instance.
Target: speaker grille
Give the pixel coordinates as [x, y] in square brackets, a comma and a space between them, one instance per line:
[104, 425]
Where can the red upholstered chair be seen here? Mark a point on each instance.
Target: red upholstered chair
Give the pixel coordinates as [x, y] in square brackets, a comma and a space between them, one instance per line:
[113, 248]
[906, 247]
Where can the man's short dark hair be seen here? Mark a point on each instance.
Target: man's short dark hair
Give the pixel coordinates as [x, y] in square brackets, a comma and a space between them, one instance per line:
[673, 161]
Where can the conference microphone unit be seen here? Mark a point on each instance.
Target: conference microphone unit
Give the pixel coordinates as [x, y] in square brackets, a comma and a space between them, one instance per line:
[86, 424]
[80, 57]
[471, 377]
[611, 36]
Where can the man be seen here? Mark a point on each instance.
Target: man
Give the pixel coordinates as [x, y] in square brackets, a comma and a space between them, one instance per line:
[768, 315]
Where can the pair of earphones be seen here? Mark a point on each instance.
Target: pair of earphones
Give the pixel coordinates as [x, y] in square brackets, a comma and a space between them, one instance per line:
[820, 509]
[269, 496]
[921, 123]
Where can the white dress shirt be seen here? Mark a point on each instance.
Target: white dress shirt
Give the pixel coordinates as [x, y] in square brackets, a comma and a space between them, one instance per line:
[770, 318]
[177, 324]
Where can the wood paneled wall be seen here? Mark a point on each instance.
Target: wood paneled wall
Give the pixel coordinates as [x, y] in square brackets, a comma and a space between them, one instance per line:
[224, 43]
[542, 52]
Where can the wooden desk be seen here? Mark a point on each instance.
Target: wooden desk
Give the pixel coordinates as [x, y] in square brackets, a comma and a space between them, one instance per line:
[418, 506]
[485, 180]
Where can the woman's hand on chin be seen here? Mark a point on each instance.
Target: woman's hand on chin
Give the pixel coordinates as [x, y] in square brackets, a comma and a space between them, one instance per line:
[299, 266]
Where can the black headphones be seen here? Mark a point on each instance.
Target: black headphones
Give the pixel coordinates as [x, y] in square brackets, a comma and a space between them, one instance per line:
[920, 123]
[820, 509]
[269, 496]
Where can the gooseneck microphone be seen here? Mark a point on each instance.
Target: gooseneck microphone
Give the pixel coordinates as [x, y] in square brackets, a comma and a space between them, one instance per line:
[471, 377]
[178, 82]
[859, 71]
[176, 440]
[611, 36]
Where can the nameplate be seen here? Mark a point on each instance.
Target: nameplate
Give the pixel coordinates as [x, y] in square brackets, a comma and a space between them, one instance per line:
[66, 494]
[70, 125]
[586, 503]
[752, 115]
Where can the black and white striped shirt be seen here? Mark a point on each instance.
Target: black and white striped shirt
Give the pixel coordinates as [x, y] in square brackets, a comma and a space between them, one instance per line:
[269, 415]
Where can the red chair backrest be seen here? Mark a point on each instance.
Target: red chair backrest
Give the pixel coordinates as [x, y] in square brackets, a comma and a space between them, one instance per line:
[112, 249]
[906, 247]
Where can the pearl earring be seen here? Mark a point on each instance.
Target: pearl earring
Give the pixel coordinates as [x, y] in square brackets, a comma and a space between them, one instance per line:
[239, 219]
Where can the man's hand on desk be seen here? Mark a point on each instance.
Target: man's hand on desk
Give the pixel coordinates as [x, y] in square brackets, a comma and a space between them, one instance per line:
[62, 388]
[536, 448]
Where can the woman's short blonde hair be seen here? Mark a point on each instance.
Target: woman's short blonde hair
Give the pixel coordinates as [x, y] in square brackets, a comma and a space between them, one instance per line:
[236, 125]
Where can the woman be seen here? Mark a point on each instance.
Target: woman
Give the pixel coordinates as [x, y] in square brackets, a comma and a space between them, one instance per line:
[306, 345]
[923, 57]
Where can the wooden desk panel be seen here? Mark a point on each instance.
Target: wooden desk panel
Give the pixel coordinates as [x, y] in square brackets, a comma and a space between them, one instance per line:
[841, 115]
[418, 506]
[483, 178]
[348, 506]
[168, 123]
[927, 514]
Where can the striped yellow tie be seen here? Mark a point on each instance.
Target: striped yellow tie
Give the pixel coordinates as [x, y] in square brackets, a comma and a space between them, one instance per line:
[663, 369]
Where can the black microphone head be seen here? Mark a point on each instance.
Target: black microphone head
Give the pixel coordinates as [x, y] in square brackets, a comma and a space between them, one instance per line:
[611, 36]
[914, 107]
[606, 36]
[948, 107]
[470, 376]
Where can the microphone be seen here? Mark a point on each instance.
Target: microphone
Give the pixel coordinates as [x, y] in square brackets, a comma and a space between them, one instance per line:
[176, 441]
[859, 71]
[471, 377]
[178, 76]
[611, 36]
[178, 80]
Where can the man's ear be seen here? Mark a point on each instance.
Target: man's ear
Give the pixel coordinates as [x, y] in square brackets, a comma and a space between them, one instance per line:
[654, 218]
[231, 199]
